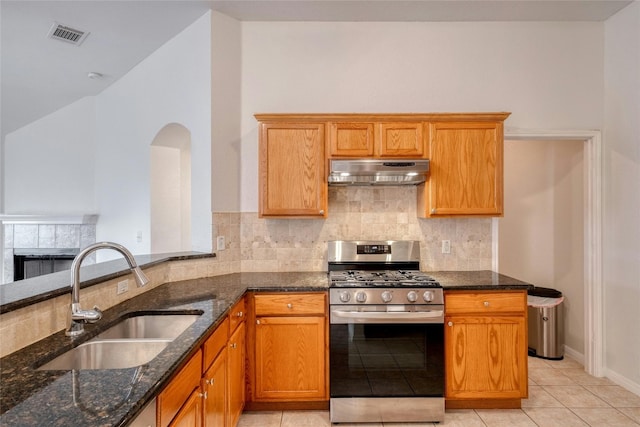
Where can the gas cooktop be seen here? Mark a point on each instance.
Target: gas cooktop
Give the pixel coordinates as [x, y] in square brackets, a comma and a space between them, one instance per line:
[381, 278]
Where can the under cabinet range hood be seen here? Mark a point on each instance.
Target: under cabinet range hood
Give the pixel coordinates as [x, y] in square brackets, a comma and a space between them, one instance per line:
[378, 172]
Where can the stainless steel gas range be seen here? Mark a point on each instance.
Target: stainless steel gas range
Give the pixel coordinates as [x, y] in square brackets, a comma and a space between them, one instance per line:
[386, 334]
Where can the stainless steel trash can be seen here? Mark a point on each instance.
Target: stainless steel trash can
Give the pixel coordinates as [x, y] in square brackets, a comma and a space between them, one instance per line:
[546, 323]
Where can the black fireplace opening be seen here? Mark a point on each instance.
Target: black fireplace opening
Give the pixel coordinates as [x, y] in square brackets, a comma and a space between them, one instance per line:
[28, 263]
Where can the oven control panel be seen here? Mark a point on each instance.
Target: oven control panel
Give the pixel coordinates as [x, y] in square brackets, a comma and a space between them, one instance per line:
[414, 296]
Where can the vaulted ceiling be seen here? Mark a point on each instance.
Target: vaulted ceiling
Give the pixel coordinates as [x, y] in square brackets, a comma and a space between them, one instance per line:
[40, 75]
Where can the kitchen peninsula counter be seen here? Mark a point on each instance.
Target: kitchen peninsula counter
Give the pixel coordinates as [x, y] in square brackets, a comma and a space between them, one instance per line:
[31, 397]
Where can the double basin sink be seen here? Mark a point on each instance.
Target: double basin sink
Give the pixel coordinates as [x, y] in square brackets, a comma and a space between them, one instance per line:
[132, 342]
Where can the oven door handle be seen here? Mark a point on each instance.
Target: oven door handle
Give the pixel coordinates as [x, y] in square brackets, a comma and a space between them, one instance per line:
[390, 316]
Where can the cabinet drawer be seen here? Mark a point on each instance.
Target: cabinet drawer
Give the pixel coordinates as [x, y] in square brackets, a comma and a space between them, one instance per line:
[290, 304]
[237, 315]
[485, 302]
[216, 342]
[172, 398]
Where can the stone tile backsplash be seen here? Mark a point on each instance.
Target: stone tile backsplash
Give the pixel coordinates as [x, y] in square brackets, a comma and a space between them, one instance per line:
[355, 213]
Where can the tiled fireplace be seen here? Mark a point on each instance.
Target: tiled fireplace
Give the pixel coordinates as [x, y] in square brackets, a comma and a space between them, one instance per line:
[45, 238]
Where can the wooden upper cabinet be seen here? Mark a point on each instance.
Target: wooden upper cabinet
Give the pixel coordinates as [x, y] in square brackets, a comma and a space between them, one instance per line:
[293, 179]
[403, 139]
[466, 170]
[351, 139]
[377, 140]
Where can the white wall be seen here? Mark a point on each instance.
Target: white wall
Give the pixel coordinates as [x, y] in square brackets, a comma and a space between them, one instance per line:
[541, 236]
[546, 74]
[226, 70]
[621, 230]
[49, 165]
[170, 86]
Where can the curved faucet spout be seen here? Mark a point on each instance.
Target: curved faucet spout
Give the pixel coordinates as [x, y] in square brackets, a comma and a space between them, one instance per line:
[77, 316]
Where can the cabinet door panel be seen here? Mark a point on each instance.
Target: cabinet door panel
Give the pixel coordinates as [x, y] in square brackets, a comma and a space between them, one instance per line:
[215, 387]
[466, 176]
[191, 413]
[403, 139]
[173, 397]
[236, 374]
[290, 304]
[290, 358]
[486, 357]
[351, 139]
[292, 170]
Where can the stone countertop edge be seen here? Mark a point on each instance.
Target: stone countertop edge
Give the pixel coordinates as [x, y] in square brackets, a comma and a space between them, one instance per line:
[23, 293]
[34, 398]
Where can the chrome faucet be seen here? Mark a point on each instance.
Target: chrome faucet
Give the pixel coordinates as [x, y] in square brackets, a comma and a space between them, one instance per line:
[77, 316]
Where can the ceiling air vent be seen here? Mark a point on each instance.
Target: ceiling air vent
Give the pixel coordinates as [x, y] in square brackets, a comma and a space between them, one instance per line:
[67, 34]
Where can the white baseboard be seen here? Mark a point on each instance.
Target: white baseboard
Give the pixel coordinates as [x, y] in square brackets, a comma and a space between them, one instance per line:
[623, 381]
[620, 380]
[573, 354]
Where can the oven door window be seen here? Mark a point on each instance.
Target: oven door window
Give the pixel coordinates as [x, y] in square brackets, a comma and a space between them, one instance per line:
[387, 360]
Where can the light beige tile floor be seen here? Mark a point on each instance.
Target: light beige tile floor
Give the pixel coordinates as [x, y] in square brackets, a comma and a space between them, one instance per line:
[561, 394]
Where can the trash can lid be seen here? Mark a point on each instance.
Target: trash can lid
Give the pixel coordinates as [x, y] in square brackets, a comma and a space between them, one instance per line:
[544, 292]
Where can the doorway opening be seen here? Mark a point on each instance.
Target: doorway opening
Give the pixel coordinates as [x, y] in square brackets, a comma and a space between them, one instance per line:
[592, 235]
[171, 190]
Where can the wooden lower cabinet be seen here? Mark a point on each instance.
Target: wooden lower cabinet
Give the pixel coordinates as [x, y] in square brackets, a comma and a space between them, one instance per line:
[288, 351]
[290, 361]
[236, 375]
[485, 349]
[214, 386]
[209, 391]
[185, 386]
[190, 415]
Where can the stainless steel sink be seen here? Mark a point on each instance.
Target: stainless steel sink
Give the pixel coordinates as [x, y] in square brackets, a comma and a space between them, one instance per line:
[132, 342]
[167, 326]
[108, 354]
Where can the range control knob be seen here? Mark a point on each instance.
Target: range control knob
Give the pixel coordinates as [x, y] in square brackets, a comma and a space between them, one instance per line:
[361, 296]
[386, 296]
[345, 296]
[427, 296]
[412, 296]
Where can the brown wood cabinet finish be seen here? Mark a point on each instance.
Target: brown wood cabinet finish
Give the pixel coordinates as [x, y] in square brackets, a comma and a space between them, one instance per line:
[289, 350]
[236, 375]
[214, 386]
[485, 349]
[190, 415]
[466, 170]
[402, 139]
[465, 152]
[179, 390]
[293, 180]
[351, 140]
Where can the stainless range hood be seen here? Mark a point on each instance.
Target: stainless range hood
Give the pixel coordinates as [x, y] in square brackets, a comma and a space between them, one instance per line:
[378, 172]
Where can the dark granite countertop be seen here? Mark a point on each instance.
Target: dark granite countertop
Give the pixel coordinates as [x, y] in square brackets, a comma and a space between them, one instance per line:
[483, 280]
[105, 397]
[22, 293]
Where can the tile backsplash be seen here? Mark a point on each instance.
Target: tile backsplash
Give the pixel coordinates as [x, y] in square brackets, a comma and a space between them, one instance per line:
[355, 213]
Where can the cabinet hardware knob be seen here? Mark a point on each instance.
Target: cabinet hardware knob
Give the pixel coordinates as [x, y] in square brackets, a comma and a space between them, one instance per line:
[450, 324]
[289, 305]
[203, 395]
[257, 322]
[486, 303]
[321, 211]
[239, 314]
[210, 381]
[433, 210]
[234, 345]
